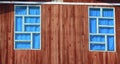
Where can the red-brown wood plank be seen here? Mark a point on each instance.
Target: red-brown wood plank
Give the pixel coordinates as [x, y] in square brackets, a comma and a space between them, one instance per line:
[78, 34]
[4, 34]
[71, 34]
[85, 35]
[117, 9]
[10, 30]
[46, 27]
[65, 35]
[60, 40]
[54, 34]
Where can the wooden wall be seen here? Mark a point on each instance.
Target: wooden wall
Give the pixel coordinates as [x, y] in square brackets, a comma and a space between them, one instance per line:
[64, 38]
[105, 1]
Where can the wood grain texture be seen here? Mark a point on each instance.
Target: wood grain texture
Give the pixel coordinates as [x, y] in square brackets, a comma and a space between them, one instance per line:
[64, 38]
[6, 34]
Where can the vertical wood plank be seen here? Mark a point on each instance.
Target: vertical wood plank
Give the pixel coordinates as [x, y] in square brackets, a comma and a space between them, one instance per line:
[117, 9]
[111, 58]
[78, 34]
[71, 34]
[65, 34]
[3, 37]
[60, 35]
[54, 34]
[46, 31]
[85, 37]
[10, 30]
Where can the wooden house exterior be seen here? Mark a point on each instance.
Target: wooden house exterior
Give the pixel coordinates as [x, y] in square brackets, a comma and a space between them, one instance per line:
[64, 36]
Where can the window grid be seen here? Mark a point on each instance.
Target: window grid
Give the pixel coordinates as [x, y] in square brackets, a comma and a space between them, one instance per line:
[27, 24]
[98, 28]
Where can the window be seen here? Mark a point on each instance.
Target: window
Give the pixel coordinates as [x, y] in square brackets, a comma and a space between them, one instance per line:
[102, 29]
[27, 27]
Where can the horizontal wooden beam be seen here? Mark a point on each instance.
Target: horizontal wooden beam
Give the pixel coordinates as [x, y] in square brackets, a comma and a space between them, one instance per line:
[63, 3]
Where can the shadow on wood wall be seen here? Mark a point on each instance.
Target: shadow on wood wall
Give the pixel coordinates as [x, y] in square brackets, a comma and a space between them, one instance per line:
[6, 8]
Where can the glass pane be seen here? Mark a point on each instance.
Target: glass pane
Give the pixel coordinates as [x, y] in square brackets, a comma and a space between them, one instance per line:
[21, 10]
[36, 41]
[22, 45]
[97, 38]
[32, 28]
[107, 13]
[94, 12]
[33, 10]
[106, 30]
[110, 40]
[93, 25]
[22, 36]
[103, 21]
[32, 19]
[97, 47]
[18, 24]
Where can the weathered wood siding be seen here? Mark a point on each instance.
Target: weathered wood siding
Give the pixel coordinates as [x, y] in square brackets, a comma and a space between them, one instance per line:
[64, 38]
[107, 1]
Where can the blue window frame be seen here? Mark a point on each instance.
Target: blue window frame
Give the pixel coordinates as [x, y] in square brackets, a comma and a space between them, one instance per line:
[102, 29]
[27, 27]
